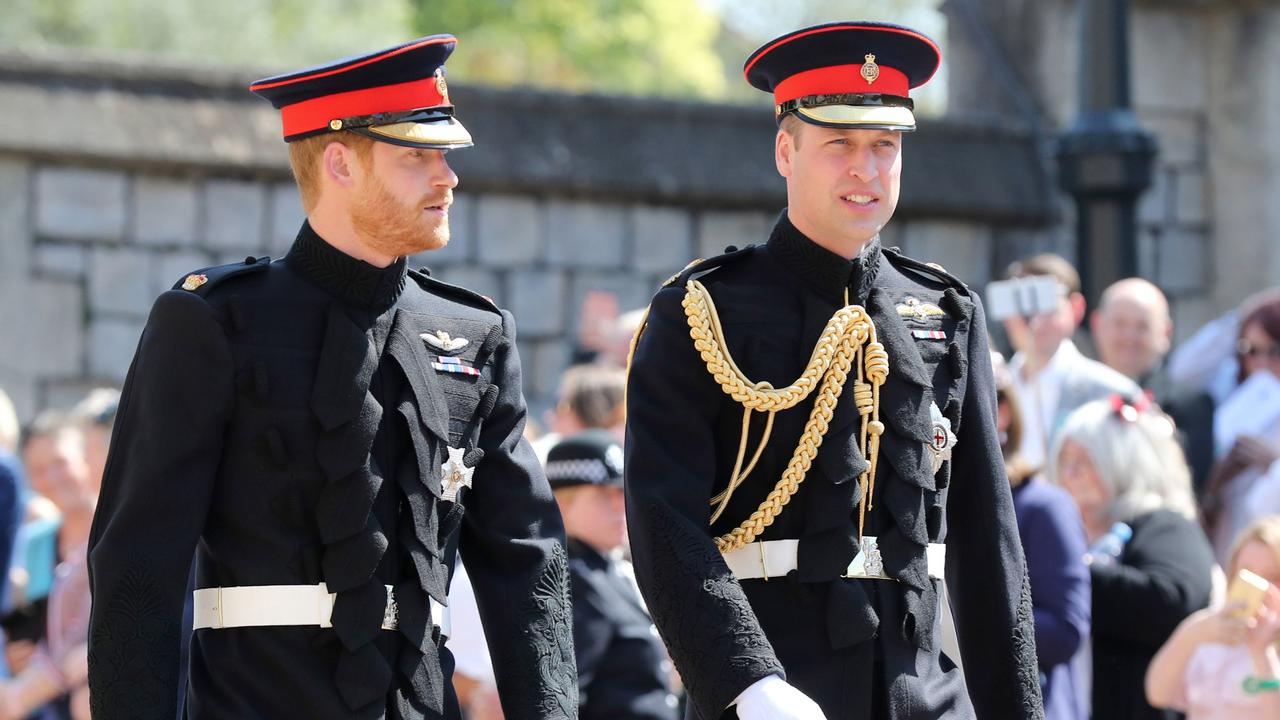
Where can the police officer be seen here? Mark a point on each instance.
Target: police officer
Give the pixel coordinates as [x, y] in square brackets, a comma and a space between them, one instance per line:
[325, 432]
[623, 671]
[811, 442]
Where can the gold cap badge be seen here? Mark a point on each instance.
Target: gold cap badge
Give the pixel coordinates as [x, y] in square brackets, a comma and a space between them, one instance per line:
[442, 87]
[194, 281]
[870, 70]
[335, 125]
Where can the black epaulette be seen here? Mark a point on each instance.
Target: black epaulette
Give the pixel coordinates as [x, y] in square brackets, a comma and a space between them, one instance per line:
[932, 271]
[702, 266]
[202, 281]
[457, 292]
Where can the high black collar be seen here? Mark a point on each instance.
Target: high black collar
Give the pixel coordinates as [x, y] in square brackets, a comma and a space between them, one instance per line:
[353, 281]
[825, 272]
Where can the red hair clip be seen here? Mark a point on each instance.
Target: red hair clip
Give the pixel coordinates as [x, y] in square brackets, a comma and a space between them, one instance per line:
[1129, 409]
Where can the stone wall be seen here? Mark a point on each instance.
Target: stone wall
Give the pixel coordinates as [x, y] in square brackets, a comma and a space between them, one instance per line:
[117, 179]
[1205, 81]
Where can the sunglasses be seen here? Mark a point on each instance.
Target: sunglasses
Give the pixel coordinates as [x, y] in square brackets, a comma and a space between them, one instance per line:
[1247, 349]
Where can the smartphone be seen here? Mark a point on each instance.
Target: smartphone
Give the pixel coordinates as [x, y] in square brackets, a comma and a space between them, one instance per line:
[1249, 589]
[1028, 297]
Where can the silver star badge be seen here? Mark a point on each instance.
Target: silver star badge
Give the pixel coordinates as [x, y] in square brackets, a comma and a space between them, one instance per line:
[941, 439]
[443, 342]
[455, 475]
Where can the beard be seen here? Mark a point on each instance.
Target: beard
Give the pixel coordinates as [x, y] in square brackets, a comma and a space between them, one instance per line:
[395, 228]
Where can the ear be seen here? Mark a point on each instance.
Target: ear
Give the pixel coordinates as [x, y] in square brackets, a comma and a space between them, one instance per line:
[1077, 307]
[341, 165]
[783, 150]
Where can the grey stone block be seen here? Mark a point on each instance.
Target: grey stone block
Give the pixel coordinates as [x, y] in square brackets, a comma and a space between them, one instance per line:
[66, 393]
[461, 247]
[43, 328]
[172, 267]
[663, 239]
[15, 220]
[60, 260]
[719, 229]
[1183, 262]
[964, 249]
[543, 362]
[286, 217]
[1189, 197]
[22, 391]
[164, 211]
[120, 281]
[1154, 204]
[80, 204]
[1190, 313]
[1170, 51]
[1181, 136]
[538, 301]
[584, 234]
[508, 230]
[1013, 244]
[112, 344]
[234, 215]
[475, 279]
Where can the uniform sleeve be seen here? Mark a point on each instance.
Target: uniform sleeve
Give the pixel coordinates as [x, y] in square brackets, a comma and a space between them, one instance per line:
[986, 574]
[514, 548]
[700, 610]
[156, 490]
[1163, 576]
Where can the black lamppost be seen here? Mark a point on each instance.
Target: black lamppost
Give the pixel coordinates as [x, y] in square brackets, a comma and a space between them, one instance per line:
[1105, 159]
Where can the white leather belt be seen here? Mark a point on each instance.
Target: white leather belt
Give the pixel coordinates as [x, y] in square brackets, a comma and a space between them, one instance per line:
[775, 558]
[268, 605]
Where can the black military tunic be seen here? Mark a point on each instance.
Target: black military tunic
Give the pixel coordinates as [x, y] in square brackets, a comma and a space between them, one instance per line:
[622, 666]
[287, 422]
[860, 648]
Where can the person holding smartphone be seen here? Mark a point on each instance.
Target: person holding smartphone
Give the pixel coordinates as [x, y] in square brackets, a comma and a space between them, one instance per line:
[1221, 661]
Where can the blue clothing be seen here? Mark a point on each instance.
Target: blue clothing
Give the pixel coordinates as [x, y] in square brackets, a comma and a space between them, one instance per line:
[11, 482]
[1053, 539]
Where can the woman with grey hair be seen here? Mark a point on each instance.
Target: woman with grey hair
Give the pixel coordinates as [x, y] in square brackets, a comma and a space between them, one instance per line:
[1151, 565]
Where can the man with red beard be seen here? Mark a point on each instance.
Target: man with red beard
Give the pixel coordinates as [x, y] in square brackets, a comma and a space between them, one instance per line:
[325, 433]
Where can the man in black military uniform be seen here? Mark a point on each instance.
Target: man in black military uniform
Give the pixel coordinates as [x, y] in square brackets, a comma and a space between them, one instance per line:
[811, 435]
[325, 432]
[623, 671]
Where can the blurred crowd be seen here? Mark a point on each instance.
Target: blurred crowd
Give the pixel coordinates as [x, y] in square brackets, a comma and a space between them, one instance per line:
[50, 475]
[1144, 478]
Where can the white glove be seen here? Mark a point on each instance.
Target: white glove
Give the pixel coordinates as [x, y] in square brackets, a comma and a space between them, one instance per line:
[773, 698]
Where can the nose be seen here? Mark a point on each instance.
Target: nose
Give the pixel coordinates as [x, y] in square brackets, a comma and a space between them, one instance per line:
[443, 176]
[862, 165]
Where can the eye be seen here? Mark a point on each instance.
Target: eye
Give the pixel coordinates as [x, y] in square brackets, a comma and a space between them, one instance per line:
[415, 154]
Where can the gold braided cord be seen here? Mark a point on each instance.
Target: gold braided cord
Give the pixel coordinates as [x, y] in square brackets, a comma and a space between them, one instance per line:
[739, 474]
[848, 340]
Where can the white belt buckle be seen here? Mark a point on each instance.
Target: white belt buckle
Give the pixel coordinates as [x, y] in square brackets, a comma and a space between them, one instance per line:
[391, 613]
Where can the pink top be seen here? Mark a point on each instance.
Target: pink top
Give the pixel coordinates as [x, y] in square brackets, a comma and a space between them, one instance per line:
[1214, 684]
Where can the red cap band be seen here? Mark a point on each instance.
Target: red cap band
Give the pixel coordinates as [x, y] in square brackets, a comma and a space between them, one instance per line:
[315, 114]
[839, 79]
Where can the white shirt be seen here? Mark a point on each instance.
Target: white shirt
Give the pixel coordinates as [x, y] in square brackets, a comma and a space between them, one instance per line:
[467, 643]
[1039, 397]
